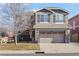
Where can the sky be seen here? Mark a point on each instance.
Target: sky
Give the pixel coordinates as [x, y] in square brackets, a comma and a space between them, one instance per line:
[72, 8]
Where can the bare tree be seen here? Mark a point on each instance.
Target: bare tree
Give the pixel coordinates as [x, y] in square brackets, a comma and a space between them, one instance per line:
[15, 11]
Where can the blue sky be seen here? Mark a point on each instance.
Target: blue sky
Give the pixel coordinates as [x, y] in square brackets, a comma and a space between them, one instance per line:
[73, 8]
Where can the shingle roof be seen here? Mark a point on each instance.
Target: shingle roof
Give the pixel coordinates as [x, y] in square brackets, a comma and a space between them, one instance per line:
[57, 9]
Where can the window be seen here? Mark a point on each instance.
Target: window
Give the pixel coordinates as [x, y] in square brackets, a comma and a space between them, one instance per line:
[46, 18]
[38, 18]
[59, 18]
[43, 18]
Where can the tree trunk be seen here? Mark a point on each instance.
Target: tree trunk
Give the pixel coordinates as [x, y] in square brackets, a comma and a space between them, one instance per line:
[15, 28]
[16, 39]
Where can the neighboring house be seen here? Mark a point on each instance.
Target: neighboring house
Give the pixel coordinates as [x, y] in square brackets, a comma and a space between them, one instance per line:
[74, 22]
[51, 25]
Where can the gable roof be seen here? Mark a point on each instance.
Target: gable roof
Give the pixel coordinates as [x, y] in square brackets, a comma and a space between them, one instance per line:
[57, 9]
[45, 10]
[54, 10]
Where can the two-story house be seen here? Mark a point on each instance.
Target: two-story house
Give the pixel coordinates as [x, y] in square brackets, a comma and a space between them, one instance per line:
[51, 25]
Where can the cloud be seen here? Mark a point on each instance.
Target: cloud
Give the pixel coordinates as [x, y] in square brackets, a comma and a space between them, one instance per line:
[34, 10]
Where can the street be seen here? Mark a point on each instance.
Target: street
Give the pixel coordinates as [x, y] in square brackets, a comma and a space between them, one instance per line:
[55, 54]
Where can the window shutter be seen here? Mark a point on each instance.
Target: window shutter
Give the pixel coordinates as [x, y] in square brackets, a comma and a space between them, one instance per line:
[48, 17]
[54, 18]
[64, 17]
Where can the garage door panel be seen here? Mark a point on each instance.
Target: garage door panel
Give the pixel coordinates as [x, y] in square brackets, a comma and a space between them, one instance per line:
[58, 38]
[46, 40]
[45, 35]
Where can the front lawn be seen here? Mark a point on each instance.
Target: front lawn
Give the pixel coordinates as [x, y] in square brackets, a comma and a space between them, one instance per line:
[19, 46]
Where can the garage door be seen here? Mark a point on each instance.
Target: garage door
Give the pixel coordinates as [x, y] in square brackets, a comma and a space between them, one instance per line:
[45, 37]
[58, 37]
[75, 37]
[51, 37]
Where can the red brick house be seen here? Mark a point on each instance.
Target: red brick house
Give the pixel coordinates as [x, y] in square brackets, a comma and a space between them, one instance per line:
[74, 22]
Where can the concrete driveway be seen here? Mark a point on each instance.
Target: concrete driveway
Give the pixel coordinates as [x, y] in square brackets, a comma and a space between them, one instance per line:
[59, 47]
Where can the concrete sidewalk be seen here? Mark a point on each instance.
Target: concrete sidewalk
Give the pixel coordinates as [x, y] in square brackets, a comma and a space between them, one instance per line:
[18, 52]
[59, 47]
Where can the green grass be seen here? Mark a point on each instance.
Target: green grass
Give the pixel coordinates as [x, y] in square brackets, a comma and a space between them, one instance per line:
[19, 46]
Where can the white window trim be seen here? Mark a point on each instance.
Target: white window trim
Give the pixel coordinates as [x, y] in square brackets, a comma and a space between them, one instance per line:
[44, 22]
[59, 22]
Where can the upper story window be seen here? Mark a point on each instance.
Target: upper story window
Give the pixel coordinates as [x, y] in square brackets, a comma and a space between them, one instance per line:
[43, 18]
[59, 18]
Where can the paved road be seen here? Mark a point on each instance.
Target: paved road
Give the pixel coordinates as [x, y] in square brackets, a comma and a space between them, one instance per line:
[57, 54]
